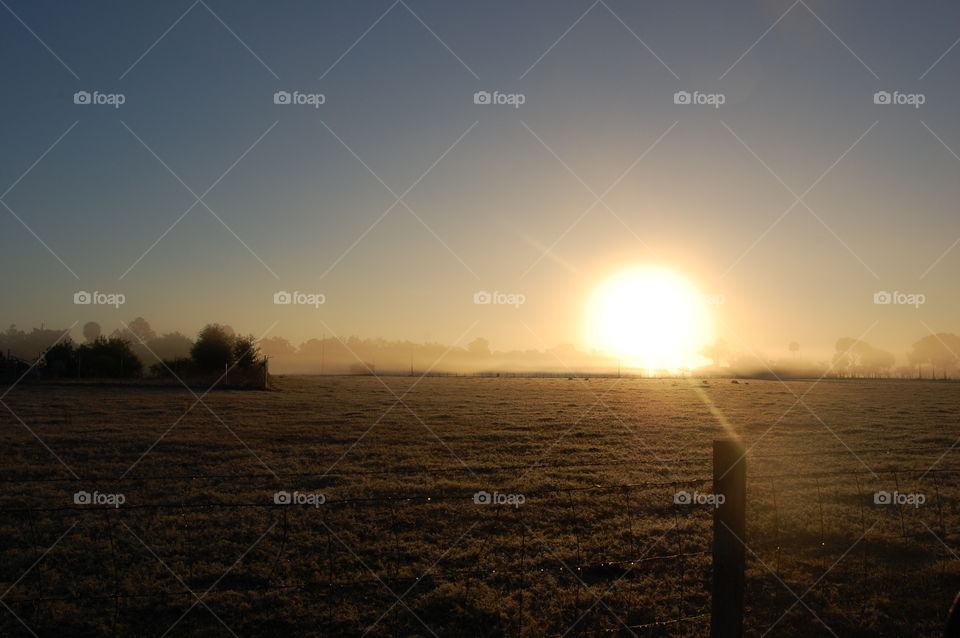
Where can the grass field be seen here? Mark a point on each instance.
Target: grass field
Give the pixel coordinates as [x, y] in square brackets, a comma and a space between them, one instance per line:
[598, 547]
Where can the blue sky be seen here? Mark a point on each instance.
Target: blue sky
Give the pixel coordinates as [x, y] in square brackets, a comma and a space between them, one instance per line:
[598, 80]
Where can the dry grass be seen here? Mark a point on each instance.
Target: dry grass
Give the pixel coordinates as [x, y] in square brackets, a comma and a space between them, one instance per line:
[461, 568]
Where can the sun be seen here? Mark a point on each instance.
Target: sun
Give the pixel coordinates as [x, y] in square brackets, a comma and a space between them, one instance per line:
[650, 318]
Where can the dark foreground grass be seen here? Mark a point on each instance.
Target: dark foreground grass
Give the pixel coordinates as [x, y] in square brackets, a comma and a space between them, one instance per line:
[400, 548]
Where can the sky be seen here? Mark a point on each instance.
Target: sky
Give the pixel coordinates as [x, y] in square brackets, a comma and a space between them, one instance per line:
[399, 197]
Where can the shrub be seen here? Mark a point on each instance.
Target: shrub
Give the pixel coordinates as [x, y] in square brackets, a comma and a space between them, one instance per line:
[246, 352]
[60, 360]
[214, 348]
[103, 358]
[111, 358]
[172, 368]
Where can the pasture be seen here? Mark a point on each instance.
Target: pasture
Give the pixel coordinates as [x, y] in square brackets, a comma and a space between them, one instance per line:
[589, 540]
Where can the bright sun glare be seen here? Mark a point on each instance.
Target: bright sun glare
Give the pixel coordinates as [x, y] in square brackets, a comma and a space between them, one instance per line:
[650, 318]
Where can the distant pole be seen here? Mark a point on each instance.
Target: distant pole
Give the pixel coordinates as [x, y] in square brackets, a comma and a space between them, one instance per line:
[729, 536]
[323, 340]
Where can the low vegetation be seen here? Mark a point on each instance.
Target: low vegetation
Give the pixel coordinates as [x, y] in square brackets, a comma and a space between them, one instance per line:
[131, 353]
[598, 461]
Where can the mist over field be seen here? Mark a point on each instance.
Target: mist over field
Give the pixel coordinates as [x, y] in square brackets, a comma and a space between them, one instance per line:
[933, 356]
[435, 318]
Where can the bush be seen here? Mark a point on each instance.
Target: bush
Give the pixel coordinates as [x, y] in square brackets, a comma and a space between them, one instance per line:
[172, 368]
[214, 349]
[111, 358]
[60, 360]
[103, 358]
[246, 352]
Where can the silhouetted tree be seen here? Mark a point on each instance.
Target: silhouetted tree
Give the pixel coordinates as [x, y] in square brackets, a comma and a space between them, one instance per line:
[91, 331]
[916, 359]
[876, 362]
[854, 358]
[246, 353]
[213, 350]
[111, 358]
[845, 359]
[939, 350]
[60, 360]
[794, 348]
[141, 330]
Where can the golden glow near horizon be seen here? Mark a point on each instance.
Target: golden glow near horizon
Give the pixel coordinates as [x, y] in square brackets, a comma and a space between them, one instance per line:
[650, 318]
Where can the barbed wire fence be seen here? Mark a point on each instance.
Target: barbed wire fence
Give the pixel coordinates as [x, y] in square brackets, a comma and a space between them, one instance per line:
[354, 563]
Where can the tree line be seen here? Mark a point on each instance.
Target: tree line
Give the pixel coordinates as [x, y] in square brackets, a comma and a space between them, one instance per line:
[134, 351]
[933, 356]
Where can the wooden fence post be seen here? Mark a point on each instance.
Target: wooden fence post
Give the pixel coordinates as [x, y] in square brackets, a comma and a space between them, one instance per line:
[729, 536]
[953, 622]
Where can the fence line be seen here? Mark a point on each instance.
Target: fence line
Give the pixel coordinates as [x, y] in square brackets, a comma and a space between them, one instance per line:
[681, 555]
[572, 568]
